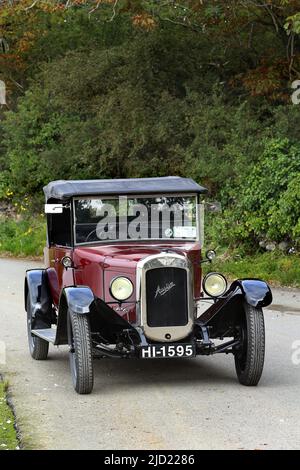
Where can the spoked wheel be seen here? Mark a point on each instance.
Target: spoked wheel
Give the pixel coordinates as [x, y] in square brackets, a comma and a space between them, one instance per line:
[249, 358]
[38, 347]
[81, 360]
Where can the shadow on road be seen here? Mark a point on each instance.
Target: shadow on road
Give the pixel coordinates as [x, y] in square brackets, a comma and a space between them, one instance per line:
[114, 374]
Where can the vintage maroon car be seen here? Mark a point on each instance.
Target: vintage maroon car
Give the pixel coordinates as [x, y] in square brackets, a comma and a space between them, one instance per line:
[122, 278]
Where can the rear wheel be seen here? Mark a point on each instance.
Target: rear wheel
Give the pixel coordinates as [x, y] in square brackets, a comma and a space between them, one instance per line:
[249, 358]
[81, 359]
[38, 347]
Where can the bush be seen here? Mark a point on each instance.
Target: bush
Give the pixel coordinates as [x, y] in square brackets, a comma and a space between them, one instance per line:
[266, 206]
[25, 237]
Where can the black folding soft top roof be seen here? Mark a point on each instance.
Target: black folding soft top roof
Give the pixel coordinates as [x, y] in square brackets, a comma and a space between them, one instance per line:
[64, 189]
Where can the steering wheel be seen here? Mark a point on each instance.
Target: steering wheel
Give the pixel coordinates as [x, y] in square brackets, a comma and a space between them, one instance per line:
[87, 238]
[90, 234]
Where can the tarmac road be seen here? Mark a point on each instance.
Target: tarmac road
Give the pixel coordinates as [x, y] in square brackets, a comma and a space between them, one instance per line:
[153, 404]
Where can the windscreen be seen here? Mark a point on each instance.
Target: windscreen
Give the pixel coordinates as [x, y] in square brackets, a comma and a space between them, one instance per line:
[135, 218]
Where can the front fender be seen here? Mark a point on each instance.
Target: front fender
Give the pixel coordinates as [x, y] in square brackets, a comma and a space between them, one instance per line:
[257, 293]
[77, 299]
[224, 314]
[37, 288]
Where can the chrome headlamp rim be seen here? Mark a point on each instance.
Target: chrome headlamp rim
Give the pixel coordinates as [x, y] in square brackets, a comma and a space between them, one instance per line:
[126, 279]
[219, 275]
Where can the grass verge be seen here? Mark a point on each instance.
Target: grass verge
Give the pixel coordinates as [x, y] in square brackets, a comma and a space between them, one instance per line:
[8, 436]
[275, 268]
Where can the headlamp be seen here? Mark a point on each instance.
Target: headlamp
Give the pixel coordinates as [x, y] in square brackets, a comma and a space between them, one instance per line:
[121, 288]
[214, 284]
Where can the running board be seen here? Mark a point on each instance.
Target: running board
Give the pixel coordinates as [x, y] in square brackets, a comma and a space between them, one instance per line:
[48, 334]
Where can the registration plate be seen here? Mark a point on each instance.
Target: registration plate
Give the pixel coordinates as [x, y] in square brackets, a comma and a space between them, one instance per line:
[154, 351]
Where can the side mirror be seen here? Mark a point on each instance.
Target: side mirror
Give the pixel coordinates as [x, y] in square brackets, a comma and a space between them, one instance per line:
[210, 255]
[54, 208]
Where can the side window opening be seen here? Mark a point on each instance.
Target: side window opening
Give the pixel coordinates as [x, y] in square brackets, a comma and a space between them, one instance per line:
[60, 228]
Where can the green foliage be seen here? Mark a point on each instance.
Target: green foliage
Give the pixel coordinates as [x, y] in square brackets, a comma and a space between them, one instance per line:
[293, 23]
[225, 138]
[286, 216]
[268, 206]
[24, 237]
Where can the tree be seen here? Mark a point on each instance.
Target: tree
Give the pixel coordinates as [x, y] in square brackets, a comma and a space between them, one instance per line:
[257, 40]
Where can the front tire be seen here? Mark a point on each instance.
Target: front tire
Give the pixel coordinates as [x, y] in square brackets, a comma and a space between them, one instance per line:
[81, 359]
[249, 358]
